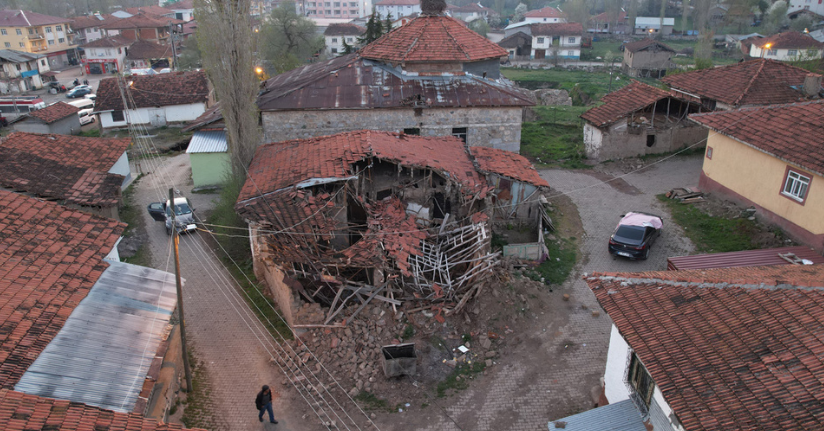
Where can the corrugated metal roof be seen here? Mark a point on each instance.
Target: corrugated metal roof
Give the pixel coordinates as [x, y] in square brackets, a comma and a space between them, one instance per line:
[762, 257]
[208, 142]
[102, 354]
[620, 416]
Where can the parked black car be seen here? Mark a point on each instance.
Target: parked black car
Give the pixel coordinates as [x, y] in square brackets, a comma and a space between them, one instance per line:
[635, 234]
[79, 91]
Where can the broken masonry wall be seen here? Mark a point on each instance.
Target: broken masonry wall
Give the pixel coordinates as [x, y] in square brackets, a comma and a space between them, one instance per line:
[495, 127]
[265, 269]
[621, 140]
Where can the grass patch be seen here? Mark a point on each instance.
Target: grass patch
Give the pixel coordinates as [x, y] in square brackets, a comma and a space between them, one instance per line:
[408, 332]
[91, 133]
[198, 410]
[371, 401]
[594, 84]
[459, 377]
[553, 145]
[235, 242]
[131, 214]
[563, 253]
[712, 234]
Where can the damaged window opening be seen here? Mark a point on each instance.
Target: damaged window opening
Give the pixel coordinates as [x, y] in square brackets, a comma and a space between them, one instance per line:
[442, 206]
[459, 132]
[650, 140]
[412, 131]
[383, 194]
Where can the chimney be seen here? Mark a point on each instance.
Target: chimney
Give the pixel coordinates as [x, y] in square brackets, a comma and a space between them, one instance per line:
[812, 85]
[433, 7]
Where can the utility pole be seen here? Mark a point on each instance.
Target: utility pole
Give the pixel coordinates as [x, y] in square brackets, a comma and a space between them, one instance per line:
[175, 241]
[172, 28]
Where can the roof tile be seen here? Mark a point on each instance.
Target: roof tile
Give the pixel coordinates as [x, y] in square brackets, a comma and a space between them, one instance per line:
[432, 38]
[639, 45]
[790, 40]
[165, 89]
[51, 256]
[55, 112]
[794, 133]
[547, 12]
[621, 103]
[557, 29]
[731, 348]
[508, 164]
[755, 82]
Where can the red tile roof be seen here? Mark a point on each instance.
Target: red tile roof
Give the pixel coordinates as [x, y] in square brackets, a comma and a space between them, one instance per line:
[429, 38]
[398, 3]
[793, 133]
[642, 44]
[146, 50]
[50, 257]
[24, 18]
[344, 29]
[80, 22]
[547, 12]
[109, 42]
[507, 164]
[64, 167]
[623, 102]
[165, 89]
[151, 9]
[755, 82]
[19, 412]
[790, 40]
[182, 4]
[604, 17]
[737, 348]
[55, 112]
[137, 21]
[557, 29]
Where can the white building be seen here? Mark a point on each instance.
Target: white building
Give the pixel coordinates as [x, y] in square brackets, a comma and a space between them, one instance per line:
[815, 6]
[106, 55]
[337, 9]
[558, 40]
[787, 46]
[21, 71]
[398, 8]
[654, 25]
[336, 34]
[544, 16]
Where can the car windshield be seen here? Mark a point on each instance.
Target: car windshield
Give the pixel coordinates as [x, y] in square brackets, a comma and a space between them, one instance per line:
[629, 234]
[180, 209]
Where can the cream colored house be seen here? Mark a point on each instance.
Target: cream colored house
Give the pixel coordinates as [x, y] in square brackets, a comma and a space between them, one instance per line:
[771, 158]
[38, 33]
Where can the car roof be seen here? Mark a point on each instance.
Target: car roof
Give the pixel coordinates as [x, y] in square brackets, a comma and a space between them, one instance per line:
[641, 219]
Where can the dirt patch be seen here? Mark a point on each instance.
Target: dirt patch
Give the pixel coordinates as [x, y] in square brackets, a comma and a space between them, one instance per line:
[616, 183]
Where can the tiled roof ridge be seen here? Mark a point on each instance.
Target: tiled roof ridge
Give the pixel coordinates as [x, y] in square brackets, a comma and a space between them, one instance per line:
[626, 281]
[459, 45]
[758, 108]
[755, 76]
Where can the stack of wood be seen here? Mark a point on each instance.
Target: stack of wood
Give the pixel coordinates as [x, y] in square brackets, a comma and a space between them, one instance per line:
[689, 195]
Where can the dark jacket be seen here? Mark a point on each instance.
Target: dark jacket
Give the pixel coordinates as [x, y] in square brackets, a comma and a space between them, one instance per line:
[263, 399]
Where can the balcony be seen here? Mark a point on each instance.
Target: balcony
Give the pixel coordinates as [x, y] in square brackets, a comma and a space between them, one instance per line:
[35, 36]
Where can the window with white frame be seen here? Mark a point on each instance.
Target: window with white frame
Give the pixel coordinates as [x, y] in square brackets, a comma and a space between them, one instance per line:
[58, 28]
[540, 40]
[3, 31]
[19, 32]
[22, 44]
[334, 40]
[772, 52]
[51, 41]
[8, 44]
[48, 29]
[571, 39]
[60, 40]
[792, 52]
[796, 185]
[348, 40]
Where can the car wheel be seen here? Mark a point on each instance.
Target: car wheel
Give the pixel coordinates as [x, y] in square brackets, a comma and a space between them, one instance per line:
[646, 253]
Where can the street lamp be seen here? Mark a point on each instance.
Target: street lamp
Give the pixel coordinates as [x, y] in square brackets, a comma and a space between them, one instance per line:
[766, 47]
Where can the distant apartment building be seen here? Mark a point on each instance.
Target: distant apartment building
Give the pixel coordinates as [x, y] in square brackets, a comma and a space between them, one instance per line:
[398, 8]
[37, 33]
[333, 9]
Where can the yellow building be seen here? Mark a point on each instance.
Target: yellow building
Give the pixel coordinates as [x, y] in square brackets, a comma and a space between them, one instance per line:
[37, 33]
[772, 158]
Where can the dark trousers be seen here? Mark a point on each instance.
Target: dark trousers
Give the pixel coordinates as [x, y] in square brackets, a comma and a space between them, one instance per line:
[267, 408]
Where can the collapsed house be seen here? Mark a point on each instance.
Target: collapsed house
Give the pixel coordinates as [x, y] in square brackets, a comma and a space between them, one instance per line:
[637, 120]
[367, 215]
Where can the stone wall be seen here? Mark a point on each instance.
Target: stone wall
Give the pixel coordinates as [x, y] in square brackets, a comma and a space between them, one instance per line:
[616, 142]
[496, 127]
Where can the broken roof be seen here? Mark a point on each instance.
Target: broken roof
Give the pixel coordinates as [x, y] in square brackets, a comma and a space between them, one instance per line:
[732, 348]
[15, 56]
[50, 257]
[147, 91]
[557, 29]
[208, 118]
[348, 82]
[19, 411]
[52, 113]
[432, 38]
[645, 44]
[790, 40]
[507, 164]
[792, 133]
[755, 82]
[620, 103]
[64, 167]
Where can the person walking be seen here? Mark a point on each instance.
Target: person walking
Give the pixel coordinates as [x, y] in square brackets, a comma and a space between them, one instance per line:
[263, 402]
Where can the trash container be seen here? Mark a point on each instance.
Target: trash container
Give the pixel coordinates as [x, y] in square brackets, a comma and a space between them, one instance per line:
[399, 359]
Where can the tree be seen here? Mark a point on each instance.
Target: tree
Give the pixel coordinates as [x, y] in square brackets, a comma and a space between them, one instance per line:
[190, 58]
[520, 10]
[775, 17]
[224, 36]
[374, 29]
[288, 39]
[685, 15]
[632, 14]
[479, 26]
[387, 23]
[803, 22]
[577, 11]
